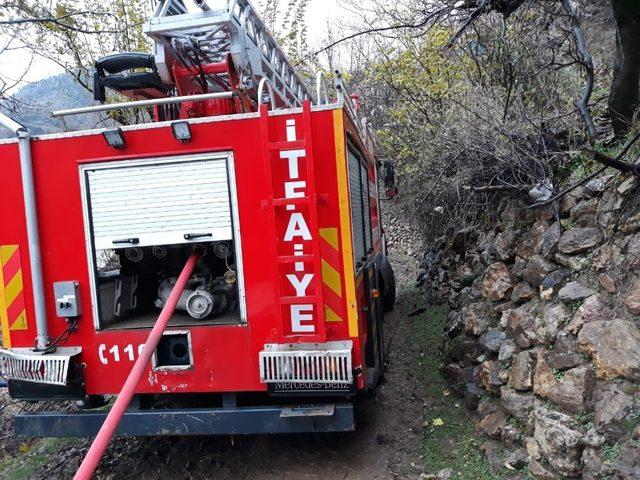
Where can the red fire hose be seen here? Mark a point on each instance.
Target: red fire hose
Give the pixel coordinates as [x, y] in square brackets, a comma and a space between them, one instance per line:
[99, 445]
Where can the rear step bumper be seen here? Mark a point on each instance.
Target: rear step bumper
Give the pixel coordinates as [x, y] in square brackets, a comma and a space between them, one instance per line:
[217, 421]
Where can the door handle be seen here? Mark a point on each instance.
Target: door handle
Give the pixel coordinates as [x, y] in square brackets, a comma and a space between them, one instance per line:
[131, 241]
[193, 236]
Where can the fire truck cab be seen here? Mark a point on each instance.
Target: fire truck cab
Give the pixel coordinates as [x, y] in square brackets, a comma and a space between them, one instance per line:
[279, 327]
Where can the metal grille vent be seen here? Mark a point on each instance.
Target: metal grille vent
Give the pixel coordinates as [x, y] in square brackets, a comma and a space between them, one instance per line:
[49, 369]
[327, 367]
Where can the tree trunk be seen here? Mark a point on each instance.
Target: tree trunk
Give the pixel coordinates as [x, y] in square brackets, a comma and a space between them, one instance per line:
[624, 99]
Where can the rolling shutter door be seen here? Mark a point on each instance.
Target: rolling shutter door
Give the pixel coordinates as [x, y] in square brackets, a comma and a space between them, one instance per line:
[356, 207]
[159, 203]
[367, 207]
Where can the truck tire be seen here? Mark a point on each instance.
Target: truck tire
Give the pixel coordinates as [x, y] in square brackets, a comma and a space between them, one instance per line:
[388, 287]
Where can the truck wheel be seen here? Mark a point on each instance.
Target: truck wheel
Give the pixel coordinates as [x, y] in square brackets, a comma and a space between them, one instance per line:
[388, 291]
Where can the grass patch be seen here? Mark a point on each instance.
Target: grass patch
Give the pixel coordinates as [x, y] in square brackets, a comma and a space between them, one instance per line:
[450, 440]
[24, 466]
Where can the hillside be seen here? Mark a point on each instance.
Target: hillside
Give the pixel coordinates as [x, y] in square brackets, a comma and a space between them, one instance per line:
[37, 101]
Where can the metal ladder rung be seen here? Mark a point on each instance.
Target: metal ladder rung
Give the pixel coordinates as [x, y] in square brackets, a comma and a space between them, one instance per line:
[291, 300]
[285, 145]
[294, 259]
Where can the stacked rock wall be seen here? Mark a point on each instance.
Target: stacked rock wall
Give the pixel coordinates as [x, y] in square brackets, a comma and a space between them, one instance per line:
[543, 335]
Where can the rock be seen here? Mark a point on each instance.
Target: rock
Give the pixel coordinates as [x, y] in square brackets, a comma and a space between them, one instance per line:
[522, 293]
[607, 282]
[550, 239]
[540, 472]
[591, 310]
[533, 449]
[507, 349]
[571, 391]
[445, 474]
[573, 263]
[614, 346]
[565, 353]
[472, 395]
[521, 324]
[631, 224]
[593, 438]
[518, 404]
[549, 321]
[568, 201]
[492, 340]
[632, 300]
[559, 440]
[518, 459]
[463, 349]
[579, 240]
[477, 318]
[605, 255]
[492, 424]
[592, 463]
[521, 374]
[553, 282]
[574, 291]
[627, 465]
[609, 203]
[584, 213]
[493, 453]
[597, 185]
[503, 245]
[497, 283]
[490, 376]
[529, 244]
[612, 405]
[537, 269]
[626, 186]
[455, 323]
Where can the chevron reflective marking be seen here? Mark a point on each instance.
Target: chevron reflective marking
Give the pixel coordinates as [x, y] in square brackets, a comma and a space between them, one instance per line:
[13, 314]
[331, 277]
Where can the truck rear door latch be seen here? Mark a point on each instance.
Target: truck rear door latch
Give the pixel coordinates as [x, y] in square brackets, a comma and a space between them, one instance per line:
[132, 241]
[193, 236]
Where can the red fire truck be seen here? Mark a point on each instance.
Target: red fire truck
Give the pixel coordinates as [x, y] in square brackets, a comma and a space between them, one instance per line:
[280, 324]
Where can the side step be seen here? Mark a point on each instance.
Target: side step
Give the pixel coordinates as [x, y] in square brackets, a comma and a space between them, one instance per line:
[201, 421]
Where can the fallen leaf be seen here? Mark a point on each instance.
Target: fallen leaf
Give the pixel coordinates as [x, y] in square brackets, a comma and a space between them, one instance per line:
[438, 422]
[24, 448]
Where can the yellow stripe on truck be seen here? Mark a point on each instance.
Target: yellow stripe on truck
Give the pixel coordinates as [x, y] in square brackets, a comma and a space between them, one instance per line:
[345, 222]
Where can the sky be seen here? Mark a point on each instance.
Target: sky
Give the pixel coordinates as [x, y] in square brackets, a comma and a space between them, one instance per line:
[14, 63]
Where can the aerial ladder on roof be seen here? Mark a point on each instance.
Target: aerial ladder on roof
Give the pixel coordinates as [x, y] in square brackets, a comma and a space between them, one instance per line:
[201, 48]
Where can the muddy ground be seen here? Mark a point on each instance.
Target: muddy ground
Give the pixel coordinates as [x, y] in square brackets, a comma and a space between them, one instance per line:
[411, 428]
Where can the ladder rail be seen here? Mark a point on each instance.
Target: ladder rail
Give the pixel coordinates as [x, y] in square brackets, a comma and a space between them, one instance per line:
[237, 30]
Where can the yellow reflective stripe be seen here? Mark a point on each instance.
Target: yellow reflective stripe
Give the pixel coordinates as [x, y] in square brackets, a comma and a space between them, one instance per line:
[13, 288]
[331, 316]
[21, 322]
[331, 278]
[345, 222]
[4, 319]
[6, 253]
[330, 235]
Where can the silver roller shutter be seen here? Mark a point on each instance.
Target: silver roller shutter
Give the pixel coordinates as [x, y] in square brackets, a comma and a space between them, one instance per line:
[356, 208]
[367, 207]
[159, 203]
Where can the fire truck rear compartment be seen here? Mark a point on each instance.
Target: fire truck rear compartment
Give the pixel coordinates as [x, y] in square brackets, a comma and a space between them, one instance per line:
[143, 219]
[132, 293]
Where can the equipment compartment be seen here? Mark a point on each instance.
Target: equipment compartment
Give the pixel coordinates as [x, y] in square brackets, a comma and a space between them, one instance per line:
[143, 219]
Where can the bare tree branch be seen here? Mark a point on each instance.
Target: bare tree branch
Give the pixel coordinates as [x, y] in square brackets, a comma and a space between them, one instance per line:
[59, 22]
[584, 56]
